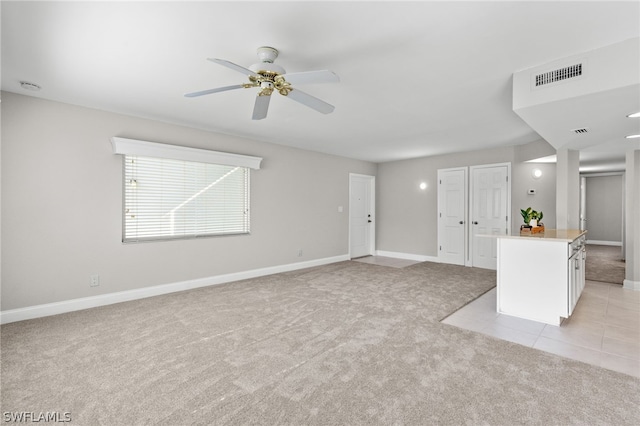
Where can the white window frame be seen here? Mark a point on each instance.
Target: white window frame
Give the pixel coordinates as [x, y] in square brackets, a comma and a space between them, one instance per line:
[131, 149]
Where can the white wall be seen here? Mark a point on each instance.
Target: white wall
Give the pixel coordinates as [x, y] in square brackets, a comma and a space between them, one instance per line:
[568, 189]
[62, 198]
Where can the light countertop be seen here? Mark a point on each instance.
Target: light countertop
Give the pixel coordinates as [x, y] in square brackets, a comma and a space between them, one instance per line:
[560, 235]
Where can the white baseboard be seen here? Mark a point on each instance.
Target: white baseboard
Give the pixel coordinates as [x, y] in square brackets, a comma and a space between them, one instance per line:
[39, 311]
[605, 243]
[407, 256]
[631, 285]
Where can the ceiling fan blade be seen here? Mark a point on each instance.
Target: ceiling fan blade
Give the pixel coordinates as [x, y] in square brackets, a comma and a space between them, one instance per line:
[261, 106]
[219, 89]
[320, 76]
[235, 67]
[310, 101]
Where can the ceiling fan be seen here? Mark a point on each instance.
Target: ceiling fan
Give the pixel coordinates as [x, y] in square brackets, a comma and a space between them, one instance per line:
[270, 77]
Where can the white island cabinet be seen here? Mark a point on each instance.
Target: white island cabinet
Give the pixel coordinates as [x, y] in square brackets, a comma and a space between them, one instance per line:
[540, 277]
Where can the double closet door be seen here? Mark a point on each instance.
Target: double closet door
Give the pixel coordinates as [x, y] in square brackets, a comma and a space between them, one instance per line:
[473, 202]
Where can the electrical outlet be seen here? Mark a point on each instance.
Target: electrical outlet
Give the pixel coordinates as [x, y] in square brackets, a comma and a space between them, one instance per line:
[94, 280]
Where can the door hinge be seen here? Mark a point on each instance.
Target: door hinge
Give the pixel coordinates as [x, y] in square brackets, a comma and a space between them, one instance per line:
[440, 181]
[440, 248]
[440, 214]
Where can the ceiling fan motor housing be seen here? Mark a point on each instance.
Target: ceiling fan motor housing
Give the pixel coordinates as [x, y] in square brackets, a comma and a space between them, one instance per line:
[267, 55]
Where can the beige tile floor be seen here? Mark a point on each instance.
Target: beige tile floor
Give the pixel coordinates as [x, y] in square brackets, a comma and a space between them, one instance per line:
[604, 329]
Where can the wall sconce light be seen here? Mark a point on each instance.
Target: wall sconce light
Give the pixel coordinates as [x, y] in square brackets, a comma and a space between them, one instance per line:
[536, 173]
[423, 185]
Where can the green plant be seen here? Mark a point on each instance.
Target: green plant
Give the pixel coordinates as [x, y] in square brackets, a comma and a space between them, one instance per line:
[537, 216]
[529, 214]
[526, 215]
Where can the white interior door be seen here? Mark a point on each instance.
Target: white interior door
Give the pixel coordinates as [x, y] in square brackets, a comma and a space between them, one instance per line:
[361, 215]
[452, 213]
[490, 206]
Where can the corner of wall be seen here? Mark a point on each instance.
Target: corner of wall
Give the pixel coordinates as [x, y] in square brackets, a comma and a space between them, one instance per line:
[533, 150]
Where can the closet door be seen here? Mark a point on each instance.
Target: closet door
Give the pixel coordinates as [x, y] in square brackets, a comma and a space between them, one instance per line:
[490, 206]
[452, 214]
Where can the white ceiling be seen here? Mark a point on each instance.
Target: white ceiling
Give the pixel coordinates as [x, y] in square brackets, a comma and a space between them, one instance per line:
[417, 78]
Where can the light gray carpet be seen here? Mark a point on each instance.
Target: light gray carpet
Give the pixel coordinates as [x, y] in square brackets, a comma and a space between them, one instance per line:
[605, 264]
[342, 344]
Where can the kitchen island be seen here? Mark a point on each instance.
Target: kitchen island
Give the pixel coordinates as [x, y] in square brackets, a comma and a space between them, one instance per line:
[540, 276]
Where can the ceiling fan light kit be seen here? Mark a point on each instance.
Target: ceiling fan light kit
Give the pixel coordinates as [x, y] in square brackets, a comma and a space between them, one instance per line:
[269, 77]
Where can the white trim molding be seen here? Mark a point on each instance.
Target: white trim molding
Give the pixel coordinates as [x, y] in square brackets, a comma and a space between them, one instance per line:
[72, 305]
[407, 256]
[631, 285]
[176, 152]
[605, 243]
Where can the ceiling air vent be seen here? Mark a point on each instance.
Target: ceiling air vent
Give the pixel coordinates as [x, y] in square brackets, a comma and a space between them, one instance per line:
[581, 131]
[560, 74]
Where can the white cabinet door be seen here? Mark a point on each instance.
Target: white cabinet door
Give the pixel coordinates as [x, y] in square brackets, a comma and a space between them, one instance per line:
[574, 281]
[583, 270]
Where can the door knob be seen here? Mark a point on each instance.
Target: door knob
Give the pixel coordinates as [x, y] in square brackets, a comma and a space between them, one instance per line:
[461, 222]
[475, 222]
[368, 221]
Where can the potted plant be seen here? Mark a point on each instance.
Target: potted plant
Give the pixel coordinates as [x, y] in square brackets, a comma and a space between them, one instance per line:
[532, 221]
[537, 217]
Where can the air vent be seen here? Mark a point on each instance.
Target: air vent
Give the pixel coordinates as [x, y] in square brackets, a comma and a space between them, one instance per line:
[559, 75]
[581, 131]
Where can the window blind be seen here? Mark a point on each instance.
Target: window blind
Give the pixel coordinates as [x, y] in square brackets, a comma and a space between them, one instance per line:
[168, 198]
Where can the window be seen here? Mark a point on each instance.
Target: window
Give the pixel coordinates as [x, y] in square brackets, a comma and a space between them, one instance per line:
[167, 198]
